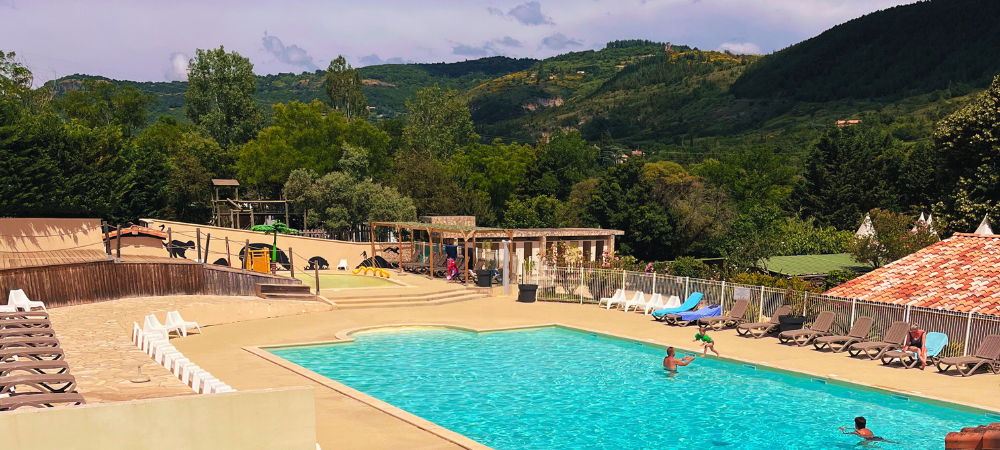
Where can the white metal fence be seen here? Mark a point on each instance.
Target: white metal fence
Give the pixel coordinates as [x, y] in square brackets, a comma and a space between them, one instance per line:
[582, 285]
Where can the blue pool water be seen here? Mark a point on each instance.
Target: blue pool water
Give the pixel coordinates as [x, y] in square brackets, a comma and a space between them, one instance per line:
[552, 388]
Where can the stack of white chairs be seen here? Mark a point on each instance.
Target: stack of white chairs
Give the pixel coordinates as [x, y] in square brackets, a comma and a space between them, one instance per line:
[655, 302]
[153, 339]
[639, 299]
[18, 299]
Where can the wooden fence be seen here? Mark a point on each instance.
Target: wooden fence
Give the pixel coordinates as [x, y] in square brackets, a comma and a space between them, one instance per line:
[89, 282]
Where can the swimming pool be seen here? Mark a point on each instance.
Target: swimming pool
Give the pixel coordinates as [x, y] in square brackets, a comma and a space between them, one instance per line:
[552, 388]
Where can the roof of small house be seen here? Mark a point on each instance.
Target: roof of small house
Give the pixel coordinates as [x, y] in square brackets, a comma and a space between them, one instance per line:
[961, 273]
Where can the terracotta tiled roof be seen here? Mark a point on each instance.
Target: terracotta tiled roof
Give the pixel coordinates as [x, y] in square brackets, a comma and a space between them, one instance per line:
[961, 273]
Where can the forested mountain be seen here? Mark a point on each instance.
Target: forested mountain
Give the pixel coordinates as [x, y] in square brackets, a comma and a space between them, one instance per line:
[387, 86]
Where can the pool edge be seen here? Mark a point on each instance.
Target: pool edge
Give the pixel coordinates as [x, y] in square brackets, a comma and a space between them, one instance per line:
[344, 337]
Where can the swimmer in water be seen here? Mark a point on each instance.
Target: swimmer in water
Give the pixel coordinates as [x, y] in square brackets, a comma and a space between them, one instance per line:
[706, 342]
[861, 430]
[670, 363]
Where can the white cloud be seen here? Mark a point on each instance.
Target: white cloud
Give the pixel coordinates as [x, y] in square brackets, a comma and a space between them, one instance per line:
[740, 48]
[530, 14]
[559, 41]
[178, 70]
[371, 60]
[293, 54]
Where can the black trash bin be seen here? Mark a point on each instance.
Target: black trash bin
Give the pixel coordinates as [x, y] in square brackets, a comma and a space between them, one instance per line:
[789, 322]
[484, 278]
[526, 292]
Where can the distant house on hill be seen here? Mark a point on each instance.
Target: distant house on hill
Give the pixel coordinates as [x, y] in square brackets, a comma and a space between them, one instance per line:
[847, 123]
[961, 273]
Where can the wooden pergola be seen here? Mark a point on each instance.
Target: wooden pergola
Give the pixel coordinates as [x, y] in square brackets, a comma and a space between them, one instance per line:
[466, 233]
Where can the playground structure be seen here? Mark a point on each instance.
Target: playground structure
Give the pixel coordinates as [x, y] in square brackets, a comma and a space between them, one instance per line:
[375, 271]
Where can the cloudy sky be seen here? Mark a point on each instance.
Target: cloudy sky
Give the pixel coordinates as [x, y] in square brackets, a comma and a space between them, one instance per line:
[152, 40]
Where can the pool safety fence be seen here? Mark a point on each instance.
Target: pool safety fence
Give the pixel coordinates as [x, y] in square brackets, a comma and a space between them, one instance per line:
[965, 330]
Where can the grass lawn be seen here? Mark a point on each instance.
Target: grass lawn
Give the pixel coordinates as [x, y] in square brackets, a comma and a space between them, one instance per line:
[344, 281]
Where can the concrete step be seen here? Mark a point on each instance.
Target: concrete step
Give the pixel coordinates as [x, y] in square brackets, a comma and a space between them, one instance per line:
[287, 296]
[407, 299]
[405, 303]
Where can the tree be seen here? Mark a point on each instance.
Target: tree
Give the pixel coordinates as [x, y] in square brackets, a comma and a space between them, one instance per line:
[425, 181]
[562, 162]
[703, 212]
[756, 176]
[101, 103]
[340, 203]
[274, 229]
[438, 123]
[305, 136]
[849, 171]
[220, 96]
[622, 200]
[15, 85]
[495, 171]
[967, 145]
[753, 238]
[538, 212]
[343, 86]
[895, 236]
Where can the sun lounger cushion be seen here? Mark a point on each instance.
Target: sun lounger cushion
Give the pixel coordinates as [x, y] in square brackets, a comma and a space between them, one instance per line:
[688, 305]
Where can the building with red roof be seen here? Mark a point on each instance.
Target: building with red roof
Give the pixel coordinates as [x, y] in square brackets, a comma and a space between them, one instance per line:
[961, 273]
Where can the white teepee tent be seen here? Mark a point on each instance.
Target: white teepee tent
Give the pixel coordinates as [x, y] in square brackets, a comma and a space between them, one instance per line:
[984, 227]
[866, 229]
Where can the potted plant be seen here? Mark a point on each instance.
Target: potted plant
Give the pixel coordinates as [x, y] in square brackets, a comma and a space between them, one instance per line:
[526, 292]
[484, 267]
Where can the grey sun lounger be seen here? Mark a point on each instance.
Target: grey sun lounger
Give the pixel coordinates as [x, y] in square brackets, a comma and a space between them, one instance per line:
[36, 353]
[895, 337]
[820, 327]
[33, 366]
[988, 354]
[759, 329]
[935, 344]
[16, 401]
[732, 319]
[859, 333]
[56, 383]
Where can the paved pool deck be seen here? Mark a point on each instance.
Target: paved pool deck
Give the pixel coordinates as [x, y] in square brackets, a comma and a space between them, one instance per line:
[346, 419]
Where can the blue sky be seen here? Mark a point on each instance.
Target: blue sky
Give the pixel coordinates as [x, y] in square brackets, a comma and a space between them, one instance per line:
[151, 40]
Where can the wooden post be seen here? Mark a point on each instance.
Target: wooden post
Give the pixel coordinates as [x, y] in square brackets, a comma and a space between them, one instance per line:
[251, 215]
[510, 260]
[291, 261]
[107, 239]
[198, 234]
[465, 252]
[371, 227]
[473, 252]
[229, 260]
[208, 240]
[170, 243]
[316, 275]
[118, 244]
[246, 256]
[430, 238]
[286, 213]
[399, 238]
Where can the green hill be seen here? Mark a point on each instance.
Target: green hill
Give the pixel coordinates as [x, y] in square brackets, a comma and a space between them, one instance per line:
[387, 86]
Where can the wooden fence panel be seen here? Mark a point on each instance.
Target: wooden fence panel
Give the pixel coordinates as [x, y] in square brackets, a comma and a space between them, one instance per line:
[89, 282]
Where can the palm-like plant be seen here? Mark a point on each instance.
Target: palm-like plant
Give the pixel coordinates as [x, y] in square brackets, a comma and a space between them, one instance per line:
[275, 228]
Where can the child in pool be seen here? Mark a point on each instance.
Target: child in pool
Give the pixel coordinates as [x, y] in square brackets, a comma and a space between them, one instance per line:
[706, 342]
[861, 430]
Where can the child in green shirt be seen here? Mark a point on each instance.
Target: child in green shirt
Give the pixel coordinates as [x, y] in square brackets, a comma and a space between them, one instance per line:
[706, 342]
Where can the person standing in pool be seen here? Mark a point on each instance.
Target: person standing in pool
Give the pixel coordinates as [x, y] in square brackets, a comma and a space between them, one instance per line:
[706, 341]
[861, 430]
[670, 363]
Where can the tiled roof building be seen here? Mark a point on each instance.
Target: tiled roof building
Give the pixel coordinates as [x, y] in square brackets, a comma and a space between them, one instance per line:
[961, 273]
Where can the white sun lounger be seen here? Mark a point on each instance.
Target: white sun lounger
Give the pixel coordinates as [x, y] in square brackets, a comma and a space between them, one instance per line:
[619, 294]
[621, 300]
[342, 265]
[18, 299]
[655, 302]
[174, 319]
[7, 309]
[639, 299]
[153, 324]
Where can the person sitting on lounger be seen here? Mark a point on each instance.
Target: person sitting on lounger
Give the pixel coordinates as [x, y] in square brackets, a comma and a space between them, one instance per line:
[670, 363]
[916, 342]
[861, 430]
[705, 341]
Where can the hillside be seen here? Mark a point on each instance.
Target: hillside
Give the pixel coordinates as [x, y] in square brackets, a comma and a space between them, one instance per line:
[387, 86]
[890, 54]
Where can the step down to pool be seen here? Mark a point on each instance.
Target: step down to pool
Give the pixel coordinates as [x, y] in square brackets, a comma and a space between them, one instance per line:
[425, 299]
[284, 291]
